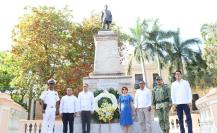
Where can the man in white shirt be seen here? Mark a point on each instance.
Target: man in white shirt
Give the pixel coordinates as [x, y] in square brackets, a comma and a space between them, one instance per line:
[68, 108]
[49, 99]
[181, 96]
[86, 103]
[143, 107]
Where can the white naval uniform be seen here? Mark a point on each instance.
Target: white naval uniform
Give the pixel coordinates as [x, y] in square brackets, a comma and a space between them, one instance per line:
[50, 98]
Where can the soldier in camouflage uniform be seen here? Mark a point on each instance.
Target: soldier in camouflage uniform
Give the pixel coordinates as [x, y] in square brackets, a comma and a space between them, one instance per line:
[162, 103]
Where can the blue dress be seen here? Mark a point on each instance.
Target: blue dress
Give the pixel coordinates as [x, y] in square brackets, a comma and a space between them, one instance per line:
[125, 110]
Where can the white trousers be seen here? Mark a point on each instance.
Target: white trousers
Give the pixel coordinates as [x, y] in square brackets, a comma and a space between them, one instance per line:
[144, 117]
[48, 120]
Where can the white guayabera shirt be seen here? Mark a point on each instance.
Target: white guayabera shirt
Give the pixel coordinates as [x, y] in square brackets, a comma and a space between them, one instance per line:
[181, 92]
[86, 101]
[68, 104]
[143, 98]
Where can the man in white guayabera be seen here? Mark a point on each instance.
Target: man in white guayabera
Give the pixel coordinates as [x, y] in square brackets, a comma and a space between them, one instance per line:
[86, 103]
[181, 96]
[143, 107]
[68, 109]
[49, 99]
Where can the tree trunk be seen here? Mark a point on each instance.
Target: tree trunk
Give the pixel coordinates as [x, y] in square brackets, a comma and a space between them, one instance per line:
[179, 65]
[158, 65]
[144, 74]
[182, 66]
[29, 108]
[30, 104]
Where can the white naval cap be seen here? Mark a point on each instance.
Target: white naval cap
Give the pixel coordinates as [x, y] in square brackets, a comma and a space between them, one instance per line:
[51, 81]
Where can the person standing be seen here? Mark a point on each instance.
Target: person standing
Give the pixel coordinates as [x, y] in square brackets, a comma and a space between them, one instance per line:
[68, 108]
[143, 107]
[86, 103]
[49, 99]
[125, 109]
[181, 96]
[162, 104]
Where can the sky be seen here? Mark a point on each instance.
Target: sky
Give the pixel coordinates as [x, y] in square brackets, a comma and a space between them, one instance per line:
[188, 15]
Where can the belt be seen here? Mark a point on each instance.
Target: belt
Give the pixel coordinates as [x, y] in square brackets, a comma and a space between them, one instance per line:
[51, 107]
[163, 101]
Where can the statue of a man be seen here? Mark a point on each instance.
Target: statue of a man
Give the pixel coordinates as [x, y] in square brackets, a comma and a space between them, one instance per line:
[106, 18]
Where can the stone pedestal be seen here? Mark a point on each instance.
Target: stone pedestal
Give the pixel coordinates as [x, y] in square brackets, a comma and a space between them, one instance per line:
[107, 71]
[107, 59]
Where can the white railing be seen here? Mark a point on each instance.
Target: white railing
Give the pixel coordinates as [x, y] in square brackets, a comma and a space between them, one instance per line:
[34, 126]
[207, 107]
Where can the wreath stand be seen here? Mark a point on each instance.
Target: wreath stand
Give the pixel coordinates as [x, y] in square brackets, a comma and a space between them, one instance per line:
[109, 127]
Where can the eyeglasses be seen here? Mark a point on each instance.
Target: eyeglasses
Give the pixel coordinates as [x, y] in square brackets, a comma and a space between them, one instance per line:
[84, 86]
[124, 89]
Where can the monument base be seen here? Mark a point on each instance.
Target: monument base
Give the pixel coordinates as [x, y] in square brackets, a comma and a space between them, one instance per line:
[108, 81]
[109, 128]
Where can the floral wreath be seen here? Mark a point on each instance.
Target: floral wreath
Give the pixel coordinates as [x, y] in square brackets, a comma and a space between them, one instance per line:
[108, 95]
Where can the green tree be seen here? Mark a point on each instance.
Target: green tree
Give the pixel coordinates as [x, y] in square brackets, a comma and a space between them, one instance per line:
[157, 44]
[150, 43]
[209, 34]
[26, 84]
[40, 38]
[80, 52]
[197, 73]
[181, 51]
[7, 68]
[137, 39]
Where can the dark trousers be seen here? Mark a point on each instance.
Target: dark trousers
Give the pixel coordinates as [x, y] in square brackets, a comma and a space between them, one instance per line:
[68, 118]
[179, 109]
[85, 119]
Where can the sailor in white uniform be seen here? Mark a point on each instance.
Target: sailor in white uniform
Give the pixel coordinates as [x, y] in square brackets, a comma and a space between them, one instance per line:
[49, 99]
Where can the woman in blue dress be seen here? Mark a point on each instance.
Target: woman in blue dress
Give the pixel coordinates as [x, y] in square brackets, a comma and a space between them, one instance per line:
[125, 108]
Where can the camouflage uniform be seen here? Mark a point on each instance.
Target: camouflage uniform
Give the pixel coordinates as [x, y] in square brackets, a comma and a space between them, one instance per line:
[162, 101]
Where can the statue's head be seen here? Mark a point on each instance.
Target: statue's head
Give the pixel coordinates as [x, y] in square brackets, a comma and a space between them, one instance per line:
[106, 7]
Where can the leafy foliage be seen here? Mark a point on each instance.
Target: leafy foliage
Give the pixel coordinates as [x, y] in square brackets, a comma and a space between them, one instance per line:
[138, 39]
[209, 34]
[197, 73]
[39, 41]
[181, 51]
[9, 69]
[8, 66]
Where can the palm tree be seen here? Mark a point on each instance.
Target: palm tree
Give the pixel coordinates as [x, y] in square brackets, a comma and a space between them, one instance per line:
[157, 44]
[149, 42]
[181, 52]
[137, 40]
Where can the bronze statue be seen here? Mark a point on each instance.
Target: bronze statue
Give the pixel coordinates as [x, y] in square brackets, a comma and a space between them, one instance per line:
[106, 18]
